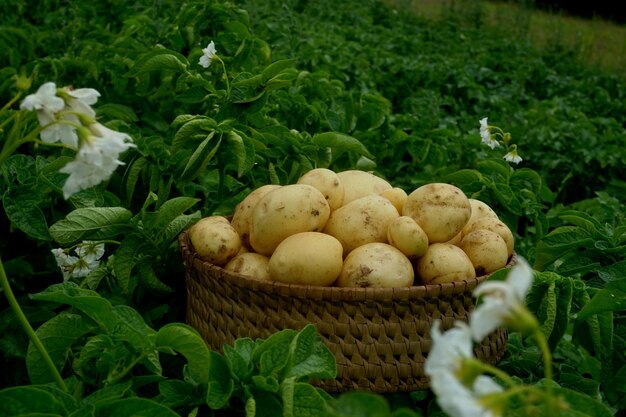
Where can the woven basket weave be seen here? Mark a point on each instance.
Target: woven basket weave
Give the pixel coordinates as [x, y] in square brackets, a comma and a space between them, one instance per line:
[379, 336]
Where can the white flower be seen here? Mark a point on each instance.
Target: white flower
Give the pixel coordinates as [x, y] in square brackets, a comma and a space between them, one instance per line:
[90, 250]
[486, 136]
[59, 132]
[207, 55]
[64, 261]
[82, 100]
[502, 301]
[513, 157]
[96, 159]
[458, 390]
[44, 100]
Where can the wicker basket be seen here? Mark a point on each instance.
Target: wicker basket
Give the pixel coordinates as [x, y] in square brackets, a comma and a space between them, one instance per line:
[380, 337]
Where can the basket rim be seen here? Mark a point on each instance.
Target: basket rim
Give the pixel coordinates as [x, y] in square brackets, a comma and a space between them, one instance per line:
[191, 259]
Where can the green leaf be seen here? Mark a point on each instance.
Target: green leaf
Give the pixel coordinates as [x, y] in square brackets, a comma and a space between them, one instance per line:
[307, 401]
[200, 158]
[103, 222]
[581, 404]
[177, 225]
[126, 257]
[272, 353]
[309, 356]
[341, 142]
[22, 209]
[193, 129]
[611, 298]
[117, 111]
[159, 60]
[276, 68]
[362, 404]
[187, 341]
[134, 407]
[221, 384]
[169, 210]
[133, 174]
[558, 242]
[108, 393]
[236, 150]
[31, 400]
[239, 358]
[57, 335]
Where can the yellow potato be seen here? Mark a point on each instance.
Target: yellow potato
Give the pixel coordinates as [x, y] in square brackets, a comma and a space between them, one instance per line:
[486, 249]
[441, 209]
[307, 258]
[444, 262]
[328, 183]
[215, 240]
[243, 212]
[357, 184]
[406, 235]
[376, 265]
[495, 225]
[285, 211]
[251, 264]
[361, 221]
[397, 196]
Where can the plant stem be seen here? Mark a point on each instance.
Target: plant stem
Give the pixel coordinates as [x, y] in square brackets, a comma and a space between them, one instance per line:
[8, 293]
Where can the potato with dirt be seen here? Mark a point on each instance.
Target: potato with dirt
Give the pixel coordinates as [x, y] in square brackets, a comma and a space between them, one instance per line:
[250, 264]
[376, 265]
[406, 235]
[441, 209]
[215, 239]
[361, 221]
[242, 215]
[328, 183]
[285, 211]
[442, 263]
[486, 249]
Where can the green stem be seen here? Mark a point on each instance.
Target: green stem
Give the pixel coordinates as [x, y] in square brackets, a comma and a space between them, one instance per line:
[15, 306]
[115, 377]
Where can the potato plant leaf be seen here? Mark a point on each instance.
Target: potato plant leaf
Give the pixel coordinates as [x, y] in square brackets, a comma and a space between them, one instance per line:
[221, 383]
[188, 342]
[57, 335]
[135, 407]
[32, 400]
[611, 298]
[103, 222]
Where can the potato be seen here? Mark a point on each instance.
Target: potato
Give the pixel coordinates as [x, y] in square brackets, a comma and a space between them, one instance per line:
[285, 211]
[243, 212]
[361, 221]
[495, 225]
[441, 209]
[376, 265]
[406, 235]
[214, 239]
[307, 258]
[358, 184]
[251, 264]
[397, 196]
[479, 209]
[444, 262]
[486, 249]
[328, 183]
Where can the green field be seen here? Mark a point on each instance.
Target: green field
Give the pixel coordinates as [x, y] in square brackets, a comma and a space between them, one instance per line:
[146, 130]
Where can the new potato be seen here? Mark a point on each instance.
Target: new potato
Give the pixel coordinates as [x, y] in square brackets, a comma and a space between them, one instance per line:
[441, 209]
[215, 240]
[444, 262]
[361, 221]
[285, 211]
[495, 225]
[486, 249]
[376, 265]
[243, 212]
[307, 258]
[328, 183]
[251, 264]
[406, 235]
[357, 184]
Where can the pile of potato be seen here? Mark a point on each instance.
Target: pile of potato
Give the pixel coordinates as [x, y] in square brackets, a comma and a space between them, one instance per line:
[354, 229]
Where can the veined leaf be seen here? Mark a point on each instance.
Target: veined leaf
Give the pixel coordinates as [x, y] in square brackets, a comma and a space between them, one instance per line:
[126, 257]
[309, 356]
[105, 222]
[188, 342]
[169, 210]
[200, 158]
[558, 242]
[159, 60]
[611, 298]
[195, 128]
[57, 335]
[22, 208]
[276, 68]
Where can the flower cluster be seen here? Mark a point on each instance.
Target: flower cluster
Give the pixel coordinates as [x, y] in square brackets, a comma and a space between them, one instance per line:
[489, 136]
[87, 259]
[456, 375]
[66, 116]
